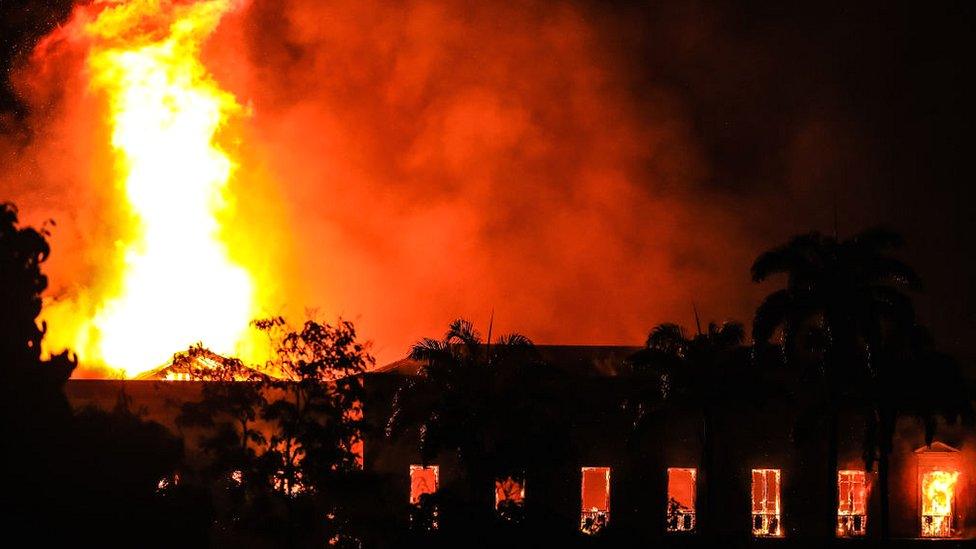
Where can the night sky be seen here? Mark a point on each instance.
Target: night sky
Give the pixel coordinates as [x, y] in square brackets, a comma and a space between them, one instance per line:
[798, 115]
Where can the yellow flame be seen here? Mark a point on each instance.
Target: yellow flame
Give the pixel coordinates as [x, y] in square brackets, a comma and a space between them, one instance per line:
[938, 489]
[178, 284]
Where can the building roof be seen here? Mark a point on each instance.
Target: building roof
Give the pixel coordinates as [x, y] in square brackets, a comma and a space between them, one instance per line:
[936, 447]
[198, 366]
[579, 360]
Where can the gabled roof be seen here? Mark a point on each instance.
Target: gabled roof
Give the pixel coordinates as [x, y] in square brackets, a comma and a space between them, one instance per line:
[200, 362]
[936, 447]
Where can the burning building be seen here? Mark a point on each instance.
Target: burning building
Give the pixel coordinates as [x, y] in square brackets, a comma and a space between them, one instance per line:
[760, 485]
[939, 491]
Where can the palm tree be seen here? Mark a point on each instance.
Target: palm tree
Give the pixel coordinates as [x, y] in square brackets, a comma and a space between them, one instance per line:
[842, 303]
[478, 400]
[918, 381]
[676, 368]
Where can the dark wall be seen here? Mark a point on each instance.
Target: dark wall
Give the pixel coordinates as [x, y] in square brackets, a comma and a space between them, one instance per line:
[746, 436]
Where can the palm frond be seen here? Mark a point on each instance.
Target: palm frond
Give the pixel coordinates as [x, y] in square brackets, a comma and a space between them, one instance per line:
[771, 314]
[462, 331]
[667, 337]
[791, 258]
[730, 334]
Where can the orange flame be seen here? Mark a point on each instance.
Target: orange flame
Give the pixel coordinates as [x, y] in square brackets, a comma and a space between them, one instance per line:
[177, 284]
[938, 490]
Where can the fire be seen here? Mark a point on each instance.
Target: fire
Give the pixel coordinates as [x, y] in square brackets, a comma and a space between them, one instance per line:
[938, 490]
[178, 284]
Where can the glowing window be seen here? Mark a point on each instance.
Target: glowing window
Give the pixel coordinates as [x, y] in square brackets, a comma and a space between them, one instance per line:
[424, 482]
[852, 494]
[681, 499]
[358, 449]
[938, 493]
[510, 497]
[595, 511]
[766, 520]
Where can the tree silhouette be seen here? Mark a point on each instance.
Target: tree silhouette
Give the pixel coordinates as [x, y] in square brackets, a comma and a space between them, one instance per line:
[66, 475]
[34, 413]
[492, 404]
[695, 371]
[126, 471]
[230, 404]
[283, 445]
[842, 303]
[914, 379]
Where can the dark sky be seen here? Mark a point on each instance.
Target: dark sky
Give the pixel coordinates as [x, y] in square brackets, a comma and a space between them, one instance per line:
[894, 80]
[801, 110]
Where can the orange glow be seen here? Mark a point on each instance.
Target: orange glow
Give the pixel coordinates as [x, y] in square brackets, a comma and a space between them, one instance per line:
[175, 283]
[509, 490]
[766, 514]
[852, 492]
[374, 135]
[681, 499]
[423, 482]
[938, 493]
[595, 510]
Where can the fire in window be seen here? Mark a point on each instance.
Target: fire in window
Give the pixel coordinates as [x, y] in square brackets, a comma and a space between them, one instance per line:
[766, 520]
[595, 511]
[852, 493]
[938, 493]
[938, 483]
[510, 498]
[681, 499]
[424, 482]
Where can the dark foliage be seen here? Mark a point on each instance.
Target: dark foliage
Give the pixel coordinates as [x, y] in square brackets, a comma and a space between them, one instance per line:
[494, 404]
[846, 324]
[66, 475]
[283, 467]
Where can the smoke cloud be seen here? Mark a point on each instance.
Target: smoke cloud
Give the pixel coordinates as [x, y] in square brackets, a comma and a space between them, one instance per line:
[580, 172]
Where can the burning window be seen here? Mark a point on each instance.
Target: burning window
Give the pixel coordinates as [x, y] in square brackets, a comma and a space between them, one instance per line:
[595, 511]
[424, 482]
[938, 477]
[766, 503]
[510, 498]
[852, 493]
[681, 499]
[938, 494]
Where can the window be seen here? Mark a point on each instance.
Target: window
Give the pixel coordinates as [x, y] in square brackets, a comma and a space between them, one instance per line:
[938, 493]
[510, 498]
[766, 503]
[424, 482]
[595, 511]
[852, 515]
[681, 499]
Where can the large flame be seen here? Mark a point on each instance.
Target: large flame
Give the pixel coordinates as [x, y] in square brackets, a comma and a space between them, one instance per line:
[177, 285]
[938, 490]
